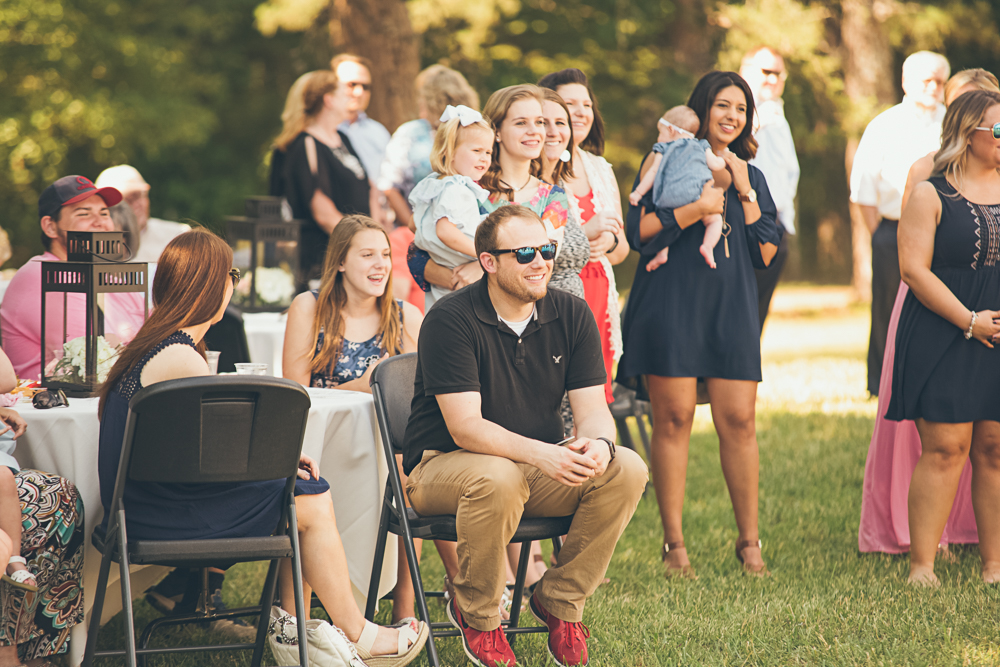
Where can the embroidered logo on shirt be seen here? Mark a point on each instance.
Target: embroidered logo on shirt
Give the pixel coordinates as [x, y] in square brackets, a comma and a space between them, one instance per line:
[557, 359]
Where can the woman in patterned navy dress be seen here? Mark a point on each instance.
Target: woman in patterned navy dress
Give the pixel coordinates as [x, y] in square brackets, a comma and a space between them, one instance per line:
[336, 335]
[946, 374]
[192, 287]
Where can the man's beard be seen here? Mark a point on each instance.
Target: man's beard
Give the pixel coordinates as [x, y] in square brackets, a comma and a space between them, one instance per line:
[510, 283]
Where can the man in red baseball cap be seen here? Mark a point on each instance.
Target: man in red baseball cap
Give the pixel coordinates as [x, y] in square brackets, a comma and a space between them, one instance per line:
[71, 204]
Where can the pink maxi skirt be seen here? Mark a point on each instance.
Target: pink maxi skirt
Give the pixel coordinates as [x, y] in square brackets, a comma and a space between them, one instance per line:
[892, 456]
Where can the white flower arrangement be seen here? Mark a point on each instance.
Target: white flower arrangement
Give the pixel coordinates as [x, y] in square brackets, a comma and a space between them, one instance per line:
[275, 286]
[72, 366]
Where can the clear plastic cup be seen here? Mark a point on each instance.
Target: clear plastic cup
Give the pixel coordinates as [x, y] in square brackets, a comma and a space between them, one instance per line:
[213, 361]
[251, 369]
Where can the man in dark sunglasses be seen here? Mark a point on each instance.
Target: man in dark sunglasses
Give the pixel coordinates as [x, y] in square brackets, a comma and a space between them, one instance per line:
[483, 441]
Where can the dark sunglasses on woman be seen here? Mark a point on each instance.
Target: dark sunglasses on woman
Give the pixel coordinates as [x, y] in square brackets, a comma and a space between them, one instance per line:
[50, 398]
[526, 254]
[995, 130]
[235, 275]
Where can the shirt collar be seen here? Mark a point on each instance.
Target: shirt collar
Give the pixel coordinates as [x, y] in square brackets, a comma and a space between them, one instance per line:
[545, 309]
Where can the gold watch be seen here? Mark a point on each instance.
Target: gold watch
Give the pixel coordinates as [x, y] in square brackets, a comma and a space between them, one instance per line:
[750, 196]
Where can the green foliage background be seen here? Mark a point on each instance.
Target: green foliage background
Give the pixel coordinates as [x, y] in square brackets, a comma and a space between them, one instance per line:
[190, 92]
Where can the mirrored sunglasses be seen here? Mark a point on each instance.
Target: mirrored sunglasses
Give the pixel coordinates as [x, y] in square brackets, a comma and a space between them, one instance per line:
[995, 130]
[526, 254]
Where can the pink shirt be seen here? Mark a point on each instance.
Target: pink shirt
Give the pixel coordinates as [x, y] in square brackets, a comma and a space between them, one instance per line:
[21, 318]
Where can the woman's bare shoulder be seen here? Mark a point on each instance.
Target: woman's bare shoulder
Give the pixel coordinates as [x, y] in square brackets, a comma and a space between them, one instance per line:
[172, 362]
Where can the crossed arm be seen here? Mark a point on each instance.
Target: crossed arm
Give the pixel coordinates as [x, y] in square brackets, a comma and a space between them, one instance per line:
[572, 465]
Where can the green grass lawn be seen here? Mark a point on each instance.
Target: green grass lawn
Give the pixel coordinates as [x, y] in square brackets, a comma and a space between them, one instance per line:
[825, 604]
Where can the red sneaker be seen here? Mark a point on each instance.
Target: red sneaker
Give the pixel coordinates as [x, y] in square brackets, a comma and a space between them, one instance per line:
[486, 649]
[567, 641]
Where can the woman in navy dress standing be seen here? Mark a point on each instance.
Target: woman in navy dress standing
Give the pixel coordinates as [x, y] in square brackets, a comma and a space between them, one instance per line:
[946, 373]
[686, 321]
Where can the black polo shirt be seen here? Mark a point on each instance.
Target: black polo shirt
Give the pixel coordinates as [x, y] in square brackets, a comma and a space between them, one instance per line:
[463, 347]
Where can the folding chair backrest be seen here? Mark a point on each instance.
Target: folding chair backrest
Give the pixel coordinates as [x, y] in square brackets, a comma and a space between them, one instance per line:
[215, 429]
[392, 386]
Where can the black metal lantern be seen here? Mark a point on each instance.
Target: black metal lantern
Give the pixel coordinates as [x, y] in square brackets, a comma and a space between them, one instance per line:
[95, 265]
[265, 246]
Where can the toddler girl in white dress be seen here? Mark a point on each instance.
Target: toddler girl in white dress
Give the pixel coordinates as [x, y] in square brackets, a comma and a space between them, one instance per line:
[446, 203]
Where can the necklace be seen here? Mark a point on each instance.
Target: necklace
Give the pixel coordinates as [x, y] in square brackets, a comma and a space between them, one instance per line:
[516, 190]
[726, 227]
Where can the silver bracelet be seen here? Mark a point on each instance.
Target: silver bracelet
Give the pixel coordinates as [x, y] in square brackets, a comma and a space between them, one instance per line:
[975, 316]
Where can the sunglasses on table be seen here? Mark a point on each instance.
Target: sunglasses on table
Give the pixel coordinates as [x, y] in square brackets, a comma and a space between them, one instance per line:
[526, 254]
[995, 130]
[234, 274]
[50, 398]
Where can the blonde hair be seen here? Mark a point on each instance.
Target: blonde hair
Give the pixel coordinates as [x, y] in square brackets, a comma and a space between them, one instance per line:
[683, 117]
[446, 141]
[303, 103]
[960, 121]
[332, 298]
[438, 86]
[979, 78]
[496, 110]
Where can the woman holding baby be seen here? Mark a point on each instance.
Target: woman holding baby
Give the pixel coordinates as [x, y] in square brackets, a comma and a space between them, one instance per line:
[687, 320]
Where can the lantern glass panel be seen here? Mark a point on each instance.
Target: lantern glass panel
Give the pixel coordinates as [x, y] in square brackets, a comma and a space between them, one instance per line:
[79, 346]
[266, 251]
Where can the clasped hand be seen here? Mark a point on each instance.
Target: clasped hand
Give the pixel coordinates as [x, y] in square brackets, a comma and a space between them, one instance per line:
[574, 463]
[12, 420]
[308, 468]
[987, 329]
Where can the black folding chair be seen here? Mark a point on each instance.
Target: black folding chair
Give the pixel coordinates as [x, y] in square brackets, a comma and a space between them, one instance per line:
[627, 405]
[392, 388]
[206, 430]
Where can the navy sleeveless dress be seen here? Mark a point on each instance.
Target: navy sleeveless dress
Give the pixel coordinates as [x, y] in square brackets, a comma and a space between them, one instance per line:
[688, 320]
[354, 358]
[937, 374]
[184, 511]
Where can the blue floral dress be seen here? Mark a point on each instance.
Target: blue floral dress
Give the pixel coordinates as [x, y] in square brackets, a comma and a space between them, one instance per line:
[354, 359]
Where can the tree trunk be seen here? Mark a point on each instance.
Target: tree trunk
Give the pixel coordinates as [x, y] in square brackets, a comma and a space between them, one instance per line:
[380, 30]
[869, 84]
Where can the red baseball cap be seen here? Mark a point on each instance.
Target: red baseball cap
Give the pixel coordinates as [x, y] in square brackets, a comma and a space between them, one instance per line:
[70, 190]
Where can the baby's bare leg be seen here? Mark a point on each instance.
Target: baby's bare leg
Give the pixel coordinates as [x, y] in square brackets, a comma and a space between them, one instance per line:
[10, 515]
[659, 260]
[713, 232]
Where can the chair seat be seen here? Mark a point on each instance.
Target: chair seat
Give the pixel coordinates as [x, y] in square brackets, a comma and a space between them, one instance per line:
[442, 527]
[200, 553]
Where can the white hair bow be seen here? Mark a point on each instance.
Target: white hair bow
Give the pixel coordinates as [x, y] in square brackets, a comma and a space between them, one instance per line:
[464, 114]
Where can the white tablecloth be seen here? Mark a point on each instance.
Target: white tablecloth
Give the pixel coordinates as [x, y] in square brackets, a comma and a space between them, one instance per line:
[341, 434]
[265, 338]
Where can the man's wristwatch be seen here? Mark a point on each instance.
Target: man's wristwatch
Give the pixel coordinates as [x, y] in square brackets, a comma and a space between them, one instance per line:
[750, 196]
[611, 446]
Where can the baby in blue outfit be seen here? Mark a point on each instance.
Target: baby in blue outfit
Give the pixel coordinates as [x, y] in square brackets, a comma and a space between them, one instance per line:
[681, 167]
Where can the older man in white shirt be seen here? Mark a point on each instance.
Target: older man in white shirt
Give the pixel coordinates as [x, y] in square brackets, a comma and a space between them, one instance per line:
[892, 142]
[154, 234]
[764, 70]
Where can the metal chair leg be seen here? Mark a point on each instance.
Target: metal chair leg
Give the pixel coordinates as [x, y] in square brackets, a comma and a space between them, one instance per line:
[126, 584]
[515, 605]
[371, 607]
[300, 603]
[98, 608]
[266, 600]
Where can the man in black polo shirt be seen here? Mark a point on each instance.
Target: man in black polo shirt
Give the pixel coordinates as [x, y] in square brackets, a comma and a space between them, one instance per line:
[494, 360]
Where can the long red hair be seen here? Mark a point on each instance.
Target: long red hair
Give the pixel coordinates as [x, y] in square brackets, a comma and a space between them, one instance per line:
[188, 289]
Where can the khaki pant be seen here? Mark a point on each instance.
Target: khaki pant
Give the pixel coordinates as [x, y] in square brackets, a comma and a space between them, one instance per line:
[488, 495]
